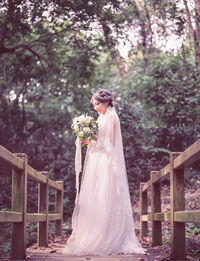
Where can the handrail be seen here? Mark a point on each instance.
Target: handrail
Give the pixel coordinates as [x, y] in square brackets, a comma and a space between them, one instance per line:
[10, 159]
[177, 216]
[18, 215]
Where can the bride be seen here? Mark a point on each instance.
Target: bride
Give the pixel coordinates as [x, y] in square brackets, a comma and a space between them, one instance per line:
[102, 220]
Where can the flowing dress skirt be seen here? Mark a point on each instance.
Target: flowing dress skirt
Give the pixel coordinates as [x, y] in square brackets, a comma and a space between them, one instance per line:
[102, 220]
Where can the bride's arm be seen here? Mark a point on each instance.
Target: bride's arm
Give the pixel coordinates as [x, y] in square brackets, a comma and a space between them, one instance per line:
[86, 141]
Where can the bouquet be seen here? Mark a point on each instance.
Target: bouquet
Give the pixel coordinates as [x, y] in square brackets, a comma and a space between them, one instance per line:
[85, 127]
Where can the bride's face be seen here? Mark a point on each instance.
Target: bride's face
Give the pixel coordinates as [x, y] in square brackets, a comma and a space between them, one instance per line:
[100, 107]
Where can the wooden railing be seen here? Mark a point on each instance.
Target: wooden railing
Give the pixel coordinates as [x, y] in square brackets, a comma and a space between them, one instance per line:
[18, 215]
[177, 216]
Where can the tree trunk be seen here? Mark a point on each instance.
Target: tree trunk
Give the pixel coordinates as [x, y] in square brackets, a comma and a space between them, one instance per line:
[145, 24]
[194, 31]
[197, 33]
[112, 48]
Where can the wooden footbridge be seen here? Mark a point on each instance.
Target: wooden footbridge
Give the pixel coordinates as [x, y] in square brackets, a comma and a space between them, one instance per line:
[18, 216]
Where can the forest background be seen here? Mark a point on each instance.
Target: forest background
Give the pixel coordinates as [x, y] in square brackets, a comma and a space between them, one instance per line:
[55, 54]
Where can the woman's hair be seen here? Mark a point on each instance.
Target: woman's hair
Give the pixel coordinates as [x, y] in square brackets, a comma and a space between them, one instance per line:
[103, 95]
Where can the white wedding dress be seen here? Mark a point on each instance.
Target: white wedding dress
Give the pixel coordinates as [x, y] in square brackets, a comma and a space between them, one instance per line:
[102, 220]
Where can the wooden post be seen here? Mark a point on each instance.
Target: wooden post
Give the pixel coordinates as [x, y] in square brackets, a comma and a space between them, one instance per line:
[155, 208]
[177, 199]
[19, 204]
[59, 209]
[43, 207]
[143, 211]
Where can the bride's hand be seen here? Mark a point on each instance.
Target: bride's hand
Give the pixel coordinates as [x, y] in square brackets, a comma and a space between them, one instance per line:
[85, 141]
[95, 138]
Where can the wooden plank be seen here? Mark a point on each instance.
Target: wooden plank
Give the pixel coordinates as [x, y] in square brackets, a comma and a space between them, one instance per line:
[192, 216]
[162, 216]
[155, 207]
[10, 159]
[147, 217]
[55, 185]
[35, 217]
[189, 156]
[160, 176]
[144, 218]
[143, 211]
[54, 217]
[19, 196]
[35, 175]
[146, 185]
[156, 177]
[177, 203]
[58, 255]
[165, 171]
[10, 216]
[43, 207]
[59, 209]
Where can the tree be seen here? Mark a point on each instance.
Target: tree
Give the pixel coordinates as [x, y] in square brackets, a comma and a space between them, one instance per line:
[194, 29]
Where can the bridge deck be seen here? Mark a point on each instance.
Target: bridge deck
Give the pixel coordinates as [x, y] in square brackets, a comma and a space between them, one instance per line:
[62, 257]
[57, 255]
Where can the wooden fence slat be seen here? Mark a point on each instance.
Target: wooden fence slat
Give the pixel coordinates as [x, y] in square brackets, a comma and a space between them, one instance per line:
[192, 216]
[162, 216]
[189, 156]
[54, 216]
[164, 172]
[177, 203]
[19, 204]
[35, 217]
[9, 216]
[55, 185]
[142, 219]
[43, 207]
[10, 159]
[145, 186]
[143, 211]
[155, 207]
[59, 209]
[35, 175]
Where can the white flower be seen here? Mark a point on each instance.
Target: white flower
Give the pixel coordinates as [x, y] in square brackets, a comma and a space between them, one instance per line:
[76, 127]
[81, 134]
[88, 119]
[81, 119]
[86, 130]
[75, 120]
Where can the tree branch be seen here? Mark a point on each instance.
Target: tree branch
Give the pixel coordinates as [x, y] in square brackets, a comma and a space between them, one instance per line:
[27, 47]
